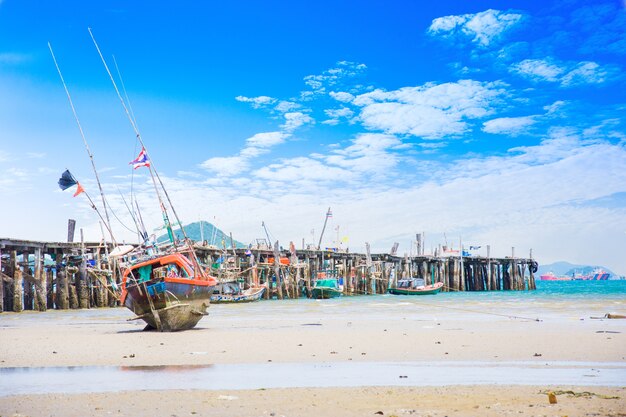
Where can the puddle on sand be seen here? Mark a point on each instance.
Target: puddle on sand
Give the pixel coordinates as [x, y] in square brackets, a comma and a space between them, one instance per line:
[87, 379]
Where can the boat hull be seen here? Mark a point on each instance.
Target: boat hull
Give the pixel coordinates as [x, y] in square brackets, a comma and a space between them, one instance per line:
[426, 290]
[325, 293]
[169, 305]
[244, 297]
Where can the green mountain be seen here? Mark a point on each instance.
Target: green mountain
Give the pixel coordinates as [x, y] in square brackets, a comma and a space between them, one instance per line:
[202, 230]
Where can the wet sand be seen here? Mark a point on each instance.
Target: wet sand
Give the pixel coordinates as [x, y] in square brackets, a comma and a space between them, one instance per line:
[305, 331]
[451, 401]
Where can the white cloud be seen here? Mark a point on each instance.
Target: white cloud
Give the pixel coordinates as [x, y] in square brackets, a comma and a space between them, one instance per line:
[333, 76]
[369, 153]
[256, 145]
[508, 125]
[266, 139]
[257, 102]
[482, 28]
[431, 111]
[302, 169]
[336, 114]
[226, 166]
[566, 74]
[295, 120]
[539, 69]
[342, 96]
[285, 106]
[554, 107]
[584, 73]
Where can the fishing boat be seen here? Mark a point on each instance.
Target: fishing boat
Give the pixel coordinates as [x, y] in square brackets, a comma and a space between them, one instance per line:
[415, 286]
[165, 286]
[232, 292]
[326, 288]
[167, 290]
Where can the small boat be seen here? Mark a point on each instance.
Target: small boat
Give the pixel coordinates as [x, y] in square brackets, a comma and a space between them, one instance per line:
[326, 288]
[415, 286]
[231, 292]
[167, 290]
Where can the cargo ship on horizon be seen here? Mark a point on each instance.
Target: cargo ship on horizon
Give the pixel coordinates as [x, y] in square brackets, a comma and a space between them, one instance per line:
[598, 274]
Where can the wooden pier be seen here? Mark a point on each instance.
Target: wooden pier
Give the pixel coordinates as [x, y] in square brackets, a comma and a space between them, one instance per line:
[57, 275]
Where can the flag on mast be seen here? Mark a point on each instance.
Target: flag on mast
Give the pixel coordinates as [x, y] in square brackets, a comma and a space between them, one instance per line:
[329, 213]
[67, 180]
[141, 160]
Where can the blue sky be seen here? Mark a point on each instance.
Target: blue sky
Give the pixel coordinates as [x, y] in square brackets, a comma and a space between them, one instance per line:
[493, 122]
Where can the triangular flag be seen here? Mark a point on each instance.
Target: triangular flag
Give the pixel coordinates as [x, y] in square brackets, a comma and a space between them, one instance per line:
[79, 189]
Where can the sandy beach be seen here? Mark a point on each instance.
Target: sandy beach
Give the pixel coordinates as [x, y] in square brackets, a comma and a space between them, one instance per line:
[338, 332]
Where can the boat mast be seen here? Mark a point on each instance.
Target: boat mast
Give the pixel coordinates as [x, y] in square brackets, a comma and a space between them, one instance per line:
[328, 214]
[82, 134]
[138, 135]
[152, 168]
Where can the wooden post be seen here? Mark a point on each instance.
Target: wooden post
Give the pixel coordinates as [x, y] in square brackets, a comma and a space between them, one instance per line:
[41, 284]
[62, 291]
[279, 287]
[268, 283]
[50, 285]
[512, 269]
[82, 288]
[489, 274]
[73, 291]
[18, 284]
[531, 279]
[500, 276]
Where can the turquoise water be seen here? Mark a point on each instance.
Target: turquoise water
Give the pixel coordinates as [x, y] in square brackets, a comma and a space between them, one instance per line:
[553, 300]
[575, 289]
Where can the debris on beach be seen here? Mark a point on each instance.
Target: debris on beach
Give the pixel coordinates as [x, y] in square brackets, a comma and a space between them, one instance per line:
[552, 397]
[610, 316]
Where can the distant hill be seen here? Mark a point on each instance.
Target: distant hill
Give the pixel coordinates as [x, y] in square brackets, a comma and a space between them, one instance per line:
[562, 268]
[202, 230]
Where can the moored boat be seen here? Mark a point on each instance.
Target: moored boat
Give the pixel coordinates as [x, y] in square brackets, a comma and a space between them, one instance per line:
[326, 288]
[415, 286]
[231, 292]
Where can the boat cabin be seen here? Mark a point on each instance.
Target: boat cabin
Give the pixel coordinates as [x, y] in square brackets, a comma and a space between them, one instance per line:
[411, 283]
[327, 283]
[170, 266]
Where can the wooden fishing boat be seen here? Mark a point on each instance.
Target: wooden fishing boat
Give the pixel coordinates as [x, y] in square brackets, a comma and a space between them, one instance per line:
[415, 286]
[326, 288]
[164, 286]
[165, 290]
[231, 292]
